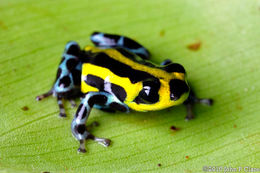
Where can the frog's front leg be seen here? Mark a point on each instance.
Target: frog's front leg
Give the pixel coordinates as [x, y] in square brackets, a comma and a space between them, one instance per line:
[191, 100]
[78, 125]
[42, 96]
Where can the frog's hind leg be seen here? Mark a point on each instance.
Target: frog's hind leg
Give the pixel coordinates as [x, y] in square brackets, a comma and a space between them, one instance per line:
[78, 125]
[191, 100]
[111, 41]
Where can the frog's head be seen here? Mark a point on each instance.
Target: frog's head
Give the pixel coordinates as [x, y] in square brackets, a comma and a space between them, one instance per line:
[179, 90]
[166, 89]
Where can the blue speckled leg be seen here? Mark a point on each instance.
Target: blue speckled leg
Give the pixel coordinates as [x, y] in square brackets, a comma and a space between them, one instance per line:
[68, 78]
[78, 125]
[101, 39]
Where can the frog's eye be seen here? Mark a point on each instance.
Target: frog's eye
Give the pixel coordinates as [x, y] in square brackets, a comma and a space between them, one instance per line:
[149, 93]
[177, 89]
[72, 48]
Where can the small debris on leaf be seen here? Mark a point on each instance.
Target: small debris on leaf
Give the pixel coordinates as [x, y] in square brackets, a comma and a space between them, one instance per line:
[194, 46]
[235, 126]
[25, 108]
[173, 128]
[162, 33]
[159, 164]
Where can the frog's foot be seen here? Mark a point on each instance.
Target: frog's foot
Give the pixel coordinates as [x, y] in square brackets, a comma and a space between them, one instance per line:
[42, 96]
[204, 101]
[191, 100]
[102, 141]
[81, 133]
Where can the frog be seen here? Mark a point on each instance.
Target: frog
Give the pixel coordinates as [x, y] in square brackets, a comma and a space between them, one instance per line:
[116, 74]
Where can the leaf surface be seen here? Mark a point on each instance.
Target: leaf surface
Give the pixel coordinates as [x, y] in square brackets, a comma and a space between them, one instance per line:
[225, 67]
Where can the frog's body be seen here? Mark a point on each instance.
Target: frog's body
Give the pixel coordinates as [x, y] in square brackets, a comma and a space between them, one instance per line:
[116, 75]
[111, 71]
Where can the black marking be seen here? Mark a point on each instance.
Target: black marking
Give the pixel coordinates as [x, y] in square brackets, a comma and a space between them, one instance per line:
[120, 69]
[177, 88]
[74, 49]
[139, 100]
[107, 36]
[174, 67]
[117, 106]
[71, 94]
[98, 83]
[97, 99]
[129, 43]
[119, 92]
[65, 80]
[95, 81]
[126, 53]
[107, 110]
[149, 93]
[80, 128]
[76, 75]
[81, 106]
[71, 63]
[58, 73]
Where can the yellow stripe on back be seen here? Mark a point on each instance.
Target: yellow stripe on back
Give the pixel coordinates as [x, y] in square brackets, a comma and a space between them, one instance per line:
[159, 73]
[106, 74]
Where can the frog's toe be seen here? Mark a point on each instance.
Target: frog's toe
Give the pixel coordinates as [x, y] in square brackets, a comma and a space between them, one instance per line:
[104, 142]
[80, 150]
[207, 101]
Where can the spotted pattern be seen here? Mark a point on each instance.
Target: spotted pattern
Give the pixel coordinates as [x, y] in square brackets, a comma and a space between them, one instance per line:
[99, 83]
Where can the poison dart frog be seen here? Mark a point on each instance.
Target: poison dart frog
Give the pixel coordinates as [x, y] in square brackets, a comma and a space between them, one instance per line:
[115, 75]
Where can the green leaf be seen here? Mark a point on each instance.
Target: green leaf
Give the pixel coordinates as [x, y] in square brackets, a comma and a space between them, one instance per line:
[224, 66]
